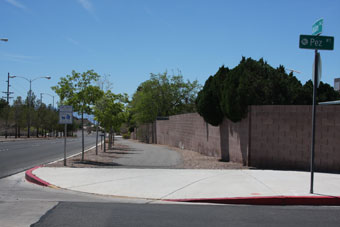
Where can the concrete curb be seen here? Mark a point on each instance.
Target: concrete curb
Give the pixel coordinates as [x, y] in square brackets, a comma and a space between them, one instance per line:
[29, 176]
[256, 200]
[270, 200]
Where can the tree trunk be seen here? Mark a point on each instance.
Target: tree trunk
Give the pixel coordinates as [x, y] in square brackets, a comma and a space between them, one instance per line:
[97, 139]
[113, 137]
[82, 136]
[110, 139]
[104, 140]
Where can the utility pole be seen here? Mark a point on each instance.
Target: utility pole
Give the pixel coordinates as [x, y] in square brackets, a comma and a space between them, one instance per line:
[7, 99]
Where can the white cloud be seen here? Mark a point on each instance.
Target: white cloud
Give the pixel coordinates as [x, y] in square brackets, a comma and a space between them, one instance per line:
[75, 42]
[18, 58]
[16, 4]
[87, 5]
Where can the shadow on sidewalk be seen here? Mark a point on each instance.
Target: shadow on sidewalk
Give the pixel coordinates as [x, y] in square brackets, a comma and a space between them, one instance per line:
[123, 153]
[95, 163]
[124, 149]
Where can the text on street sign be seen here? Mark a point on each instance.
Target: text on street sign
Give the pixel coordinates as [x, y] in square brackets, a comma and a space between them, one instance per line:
[316, 42]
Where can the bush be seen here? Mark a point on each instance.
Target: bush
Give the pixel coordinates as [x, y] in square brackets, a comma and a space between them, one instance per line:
[127, 135]
[229, 92]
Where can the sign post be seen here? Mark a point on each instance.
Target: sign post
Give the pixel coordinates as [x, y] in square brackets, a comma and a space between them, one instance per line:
[65, 117]
[315, 86]
[316, 42]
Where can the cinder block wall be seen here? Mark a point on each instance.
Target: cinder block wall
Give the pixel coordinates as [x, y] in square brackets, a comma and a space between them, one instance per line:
[274, 137]
[189, 131]
[281, 137]
[235, 140]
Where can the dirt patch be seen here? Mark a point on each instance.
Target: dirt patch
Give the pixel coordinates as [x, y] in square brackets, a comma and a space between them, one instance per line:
[195, 160]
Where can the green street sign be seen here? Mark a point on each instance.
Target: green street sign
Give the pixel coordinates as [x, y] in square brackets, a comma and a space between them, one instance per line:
[316, 42]
[317, 27]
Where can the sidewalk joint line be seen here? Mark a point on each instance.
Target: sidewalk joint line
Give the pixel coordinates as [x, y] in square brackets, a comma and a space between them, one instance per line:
[185, 186]
[261, 183]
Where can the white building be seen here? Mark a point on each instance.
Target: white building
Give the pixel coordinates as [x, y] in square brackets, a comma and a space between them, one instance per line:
[337, 84]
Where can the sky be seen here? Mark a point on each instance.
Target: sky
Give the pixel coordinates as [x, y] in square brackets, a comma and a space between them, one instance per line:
[127, 40]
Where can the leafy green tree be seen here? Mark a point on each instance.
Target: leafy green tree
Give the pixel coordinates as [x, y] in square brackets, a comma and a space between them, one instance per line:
[110, 112]
[78, 90]
[19, 109]
[163, 95]
[324, 93]
[3, 105]
[209, 98]
[30, 106]
[4, 109]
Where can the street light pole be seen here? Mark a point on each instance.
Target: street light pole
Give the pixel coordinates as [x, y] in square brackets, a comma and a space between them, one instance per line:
[51, 96]
[4, 39]
[30, 100]
[29, 110]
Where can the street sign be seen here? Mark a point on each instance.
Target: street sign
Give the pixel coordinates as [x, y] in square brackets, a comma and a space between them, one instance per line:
[317, 27]
[316, 42]
[65, 115]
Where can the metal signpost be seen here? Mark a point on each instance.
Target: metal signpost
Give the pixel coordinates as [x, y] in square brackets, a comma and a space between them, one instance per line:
[65, 117]
[315, 42]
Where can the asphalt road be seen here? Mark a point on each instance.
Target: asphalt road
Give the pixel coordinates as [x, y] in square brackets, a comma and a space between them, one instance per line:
[109, 214]
[23, 203]
[17, 156]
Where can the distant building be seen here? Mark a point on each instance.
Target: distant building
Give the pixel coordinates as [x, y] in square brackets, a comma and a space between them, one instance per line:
[337, 84]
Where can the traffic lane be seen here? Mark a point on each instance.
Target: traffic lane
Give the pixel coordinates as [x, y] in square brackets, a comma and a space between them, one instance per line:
[23, 144]
[20, 158]
[110, 214]
[50, 143]
[17, 157]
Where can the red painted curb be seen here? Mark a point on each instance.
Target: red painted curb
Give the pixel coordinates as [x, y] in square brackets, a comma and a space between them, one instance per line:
[34, 179]
[269, 200]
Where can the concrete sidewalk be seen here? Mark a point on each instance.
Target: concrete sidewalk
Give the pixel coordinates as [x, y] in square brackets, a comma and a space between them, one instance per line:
[222, 186]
